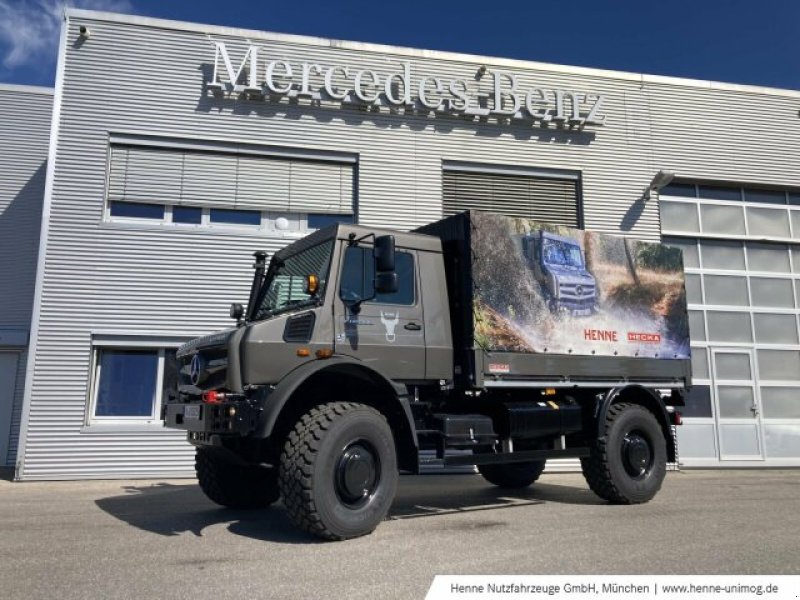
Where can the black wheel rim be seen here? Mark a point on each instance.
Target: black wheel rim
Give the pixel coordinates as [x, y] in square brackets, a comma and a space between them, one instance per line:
[358, 472]
[637, 454]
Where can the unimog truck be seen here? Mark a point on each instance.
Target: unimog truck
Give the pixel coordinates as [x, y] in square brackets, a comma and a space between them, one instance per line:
[559, 265]
[363, 352]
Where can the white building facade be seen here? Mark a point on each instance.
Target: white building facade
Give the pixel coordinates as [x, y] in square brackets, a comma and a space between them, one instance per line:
[24, 136]
[176, 150]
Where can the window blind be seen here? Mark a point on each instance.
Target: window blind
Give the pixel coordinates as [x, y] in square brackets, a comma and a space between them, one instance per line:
[530, 197]
[228, 180]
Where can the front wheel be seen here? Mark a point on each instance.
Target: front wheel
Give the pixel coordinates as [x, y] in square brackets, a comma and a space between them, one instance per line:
[338, 471]
[628, 463]
[233, 485]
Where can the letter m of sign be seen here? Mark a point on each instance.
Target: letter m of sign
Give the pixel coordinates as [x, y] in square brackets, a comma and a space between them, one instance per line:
[241, 80]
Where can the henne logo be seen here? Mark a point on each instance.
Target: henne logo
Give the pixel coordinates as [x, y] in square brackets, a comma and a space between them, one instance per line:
[488, 93]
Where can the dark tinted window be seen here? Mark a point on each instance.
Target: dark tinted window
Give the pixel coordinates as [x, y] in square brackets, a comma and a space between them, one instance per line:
[187, 214]
[698, 402]
[126, 386]
[358, 275]
[684, 190]
[318, 221]
[137, 210]
[794, 198]
[235, 217]
[716, 192]
[768, 196]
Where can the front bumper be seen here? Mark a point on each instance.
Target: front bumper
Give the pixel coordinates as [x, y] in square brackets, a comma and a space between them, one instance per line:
[226, 418]
[584, 306]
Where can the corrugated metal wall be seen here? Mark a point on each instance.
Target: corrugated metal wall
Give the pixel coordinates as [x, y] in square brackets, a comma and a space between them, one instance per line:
[147, 77]
[24, 135]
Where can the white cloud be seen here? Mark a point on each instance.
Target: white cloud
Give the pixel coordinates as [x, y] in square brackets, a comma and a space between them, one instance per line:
[29, 29]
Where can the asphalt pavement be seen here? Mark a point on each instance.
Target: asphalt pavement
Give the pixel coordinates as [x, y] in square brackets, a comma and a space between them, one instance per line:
[164, 539]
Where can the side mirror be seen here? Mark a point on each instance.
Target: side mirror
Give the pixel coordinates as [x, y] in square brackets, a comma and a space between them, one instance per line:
[384, 254]
[237, 311]
[386, 283]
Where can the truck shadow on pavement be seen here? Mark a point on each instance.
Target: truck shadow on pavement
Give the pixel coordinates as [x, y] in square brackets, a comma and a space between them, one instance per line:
[427, 497]
[170, 510]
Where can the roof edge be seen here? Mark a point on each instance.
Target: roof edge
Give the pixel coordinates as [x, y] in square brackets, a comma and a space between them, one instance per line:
[421, 53]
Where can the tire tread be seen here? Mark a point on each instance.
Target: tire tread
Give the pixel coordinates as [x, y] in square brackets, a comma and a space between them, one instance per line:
[297, 463]
[595, 467]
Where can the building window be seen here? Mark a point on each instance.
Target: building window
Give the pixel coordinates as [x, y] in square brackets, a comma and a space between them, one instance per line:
[679, 190]
[730, 212]
[318, 221]
[129, 384]
[190, 215]
[253, 189]
[720, 192]
[235, 217]
[136, 210]
[517, 192]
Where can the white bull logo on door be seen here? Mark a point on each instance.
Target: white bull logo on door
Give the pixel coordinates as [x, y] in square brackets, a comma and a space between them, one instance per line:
[390, 321]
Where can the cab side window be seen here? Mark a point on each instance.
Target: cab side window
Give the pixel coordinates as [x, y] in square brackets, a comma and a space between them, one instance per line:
[358, 275]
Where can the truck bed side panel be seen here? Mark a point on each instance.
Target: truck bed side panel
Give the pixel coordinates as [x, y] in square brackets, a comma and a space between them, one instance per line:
[541, 302]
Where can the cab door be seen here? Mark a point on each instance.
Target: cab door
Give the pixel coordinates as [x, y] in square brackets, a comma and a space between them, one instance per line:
[387, 331]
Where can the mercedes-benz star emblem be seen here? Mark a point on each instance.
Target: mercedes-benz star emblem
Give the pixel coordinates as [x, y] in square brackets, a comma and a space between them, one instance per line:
[194, 369]
[579, 290]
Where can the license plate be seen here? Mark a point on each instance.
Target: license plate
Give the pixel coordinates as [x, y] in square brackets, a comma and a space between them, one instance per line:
[191, 411]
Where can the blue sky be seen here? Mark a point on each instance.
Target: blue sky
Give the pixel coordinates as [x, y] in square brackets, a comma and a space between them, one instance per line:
[741, 41]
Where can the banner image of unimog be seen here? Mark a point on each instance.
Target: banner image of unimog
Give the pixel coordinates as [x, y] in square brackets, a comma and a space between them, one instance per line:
[542, 288]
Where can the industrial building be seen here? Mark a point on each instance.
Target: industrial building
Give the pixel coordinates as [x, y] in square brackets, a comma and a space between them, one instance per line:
[134, 195]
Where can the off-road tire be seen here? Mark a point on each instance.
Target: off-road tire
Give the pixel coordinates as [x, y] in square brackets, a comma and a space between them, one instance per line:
[319, 470]
[233, 485]
[608, 471]
[512, 475]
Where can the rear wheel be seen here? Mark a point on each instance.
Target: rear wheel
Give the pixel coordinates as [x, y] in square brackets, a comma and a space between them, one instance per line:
[338, 473]
[627, 465]
[233, 485]
[514, 475]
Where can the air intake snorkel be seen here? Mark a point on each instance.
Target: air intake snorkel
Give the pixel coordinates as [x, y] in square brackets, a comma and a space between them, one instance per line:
[260, 267]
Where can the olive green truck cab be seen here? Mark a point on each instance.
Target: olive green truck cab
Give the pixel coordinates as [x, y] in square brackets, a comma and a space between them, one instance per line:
[363, 352]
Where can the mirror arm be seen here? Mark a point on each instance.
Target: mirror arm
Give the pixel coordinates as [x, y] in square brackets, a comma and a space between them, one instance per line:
[352, 241]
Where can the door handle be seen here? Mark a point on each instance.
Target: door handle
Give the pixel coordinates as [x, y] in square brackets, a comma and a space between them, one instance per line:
[412, 326]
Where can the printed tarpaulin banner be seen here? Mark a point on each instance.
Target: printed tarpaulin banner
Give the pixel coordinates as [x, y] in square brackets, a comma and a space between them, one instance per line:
[541, 288]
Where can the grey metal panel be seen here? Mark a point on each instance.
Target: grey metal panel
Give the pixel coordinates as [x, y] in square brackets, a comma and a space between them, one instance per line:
[24, 136]
[565, 370]
[153, 280]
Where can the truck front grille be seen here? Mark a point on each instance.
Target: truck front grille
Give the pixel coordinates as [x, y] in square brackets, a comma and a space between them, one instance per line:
[299, 328]
[577, 292]
[213, 364]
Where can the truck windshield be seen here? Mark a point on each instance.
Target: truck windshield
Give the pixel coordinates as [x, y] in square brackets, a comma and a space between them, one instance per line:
[563, 254]
[284, 288]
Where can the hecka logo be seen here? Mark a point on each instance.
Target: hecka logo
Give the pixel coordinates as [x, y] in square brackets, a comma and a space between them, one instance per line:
[488, 93]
